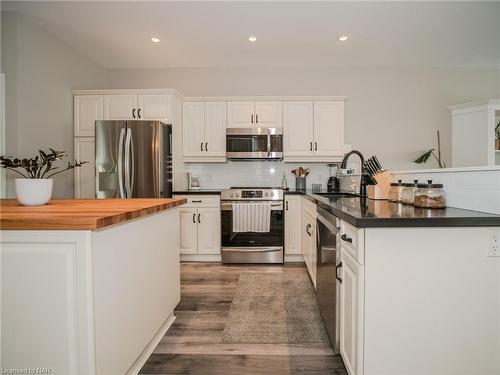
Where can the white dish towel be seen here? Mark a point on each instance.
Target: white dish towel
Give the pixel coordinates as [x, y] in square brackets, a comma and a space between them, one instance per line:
[252, 217]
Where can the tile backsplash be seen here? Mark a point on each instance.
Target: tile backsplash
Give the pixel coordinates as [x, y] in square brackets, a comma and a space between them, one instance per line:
[259, 173]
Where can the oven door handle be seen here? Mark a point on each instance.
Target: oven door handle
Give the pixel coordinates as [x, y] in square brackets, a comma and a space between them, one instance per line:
[252, 250]
[228, 206]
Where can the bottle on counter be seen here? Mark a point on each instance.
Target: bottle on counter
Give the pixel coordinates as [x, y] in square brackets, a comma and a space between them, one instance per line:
[430, 195]
[408, 193]
[284, 182]
[395, 193]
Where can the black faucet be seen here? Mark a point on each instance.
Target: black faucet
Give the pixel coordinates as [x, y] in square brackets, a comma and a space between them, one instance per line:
[364, 177]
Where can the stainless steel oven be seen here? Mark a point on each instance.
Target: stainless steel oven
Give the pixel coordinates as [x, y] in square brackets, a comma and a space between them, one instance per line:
[252, 247]
[254, 143]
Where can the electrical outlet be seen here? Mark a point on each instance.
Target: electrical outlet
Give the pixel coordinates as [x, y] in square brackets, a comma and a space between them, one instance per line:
[494, 247]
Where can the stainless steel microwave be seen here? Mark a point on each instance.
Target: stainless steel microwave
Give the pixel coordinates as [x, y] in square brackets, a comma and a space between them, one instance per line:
[254, 143]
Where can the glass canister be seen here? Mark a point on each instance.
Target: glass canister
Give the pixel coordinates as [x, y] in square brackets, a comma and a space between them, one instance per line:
[408, 194]
[430, 195]
[395, 191]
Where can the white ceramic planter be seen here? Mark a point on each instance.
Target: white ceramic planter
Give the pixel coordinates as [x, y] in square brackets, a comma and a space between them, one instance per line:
[34, 191]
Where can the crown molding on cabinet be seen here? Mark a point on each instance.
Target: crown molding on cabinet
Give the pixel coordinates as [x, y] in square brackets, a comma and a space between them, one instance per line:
[261, 98]
[128, 92]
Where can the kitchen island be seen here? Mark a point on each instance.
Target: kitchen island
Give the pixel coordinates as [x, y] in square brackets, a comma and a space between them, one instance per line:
[88, 286]
[419, 288]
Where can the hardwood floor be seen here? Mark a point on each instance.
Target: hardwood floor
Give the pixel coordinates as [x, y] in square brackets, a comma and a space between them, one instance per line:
[193, 345]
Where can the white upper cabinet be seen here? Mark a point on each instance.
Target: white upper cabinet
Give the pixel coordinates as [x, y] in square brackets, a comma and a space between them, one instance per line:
[204, 131]
[85, 175]
[215, 129]
[154, 107]
[268, 114]
[328, 128]
[298, 128]
[240, 114]
[87, 109]
[246, 114]
[313, 130]
[193, 128]
[120, 107]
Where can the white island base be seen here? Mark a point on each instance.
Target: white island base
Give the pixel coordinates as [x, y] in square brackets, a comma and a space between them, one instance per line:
[89, 302]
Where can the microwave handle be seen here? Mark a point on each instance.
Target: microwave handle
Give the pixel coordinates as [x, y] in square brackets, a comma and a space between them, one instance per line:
[268, 145]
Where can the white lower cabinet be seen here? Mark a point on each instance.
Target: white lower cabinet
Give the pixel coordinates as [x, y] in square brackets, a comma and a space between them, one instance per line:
[200, 225]
[309, 243]
[352, 313]
[85, 175]
[293, 224]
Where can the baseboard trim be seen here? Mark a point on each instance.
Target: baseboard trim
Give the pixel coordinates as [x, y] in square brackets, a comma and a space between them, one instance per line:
[200, 258]
[146, 353]
[294, 258]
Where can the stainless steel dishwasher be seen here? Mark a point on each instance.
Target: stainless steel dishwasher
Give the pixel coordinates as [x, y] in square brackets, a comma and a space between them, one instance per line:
[327, 282]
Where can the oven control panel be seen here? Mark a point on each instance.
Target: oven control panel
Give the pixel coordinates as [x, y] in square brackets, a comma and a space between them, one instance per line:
[268, 194]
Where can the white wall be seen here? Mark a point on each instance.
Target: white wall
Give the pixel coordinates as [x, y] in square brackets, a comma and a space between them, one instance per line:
[40, 72]
[469, 188]
[391, 112]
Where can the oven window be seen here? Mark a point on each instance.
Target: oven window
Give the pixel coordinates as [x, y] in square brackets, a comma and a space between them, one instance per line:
[273, 238]
[246, 143]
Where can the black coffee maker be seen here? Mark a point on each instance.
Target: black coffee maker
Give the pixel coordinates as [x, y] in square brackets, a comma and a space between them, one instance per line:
[333, 182]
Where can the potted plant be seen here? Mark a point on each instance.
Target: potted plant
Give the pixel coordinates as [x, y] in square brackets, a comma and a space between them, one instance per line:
[35, 186]
[497, 136]
[426, 155]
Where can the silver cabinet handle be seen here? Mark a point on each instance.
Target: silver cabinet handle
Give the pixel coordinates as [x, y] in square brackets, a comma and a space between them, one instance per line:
[120, 163]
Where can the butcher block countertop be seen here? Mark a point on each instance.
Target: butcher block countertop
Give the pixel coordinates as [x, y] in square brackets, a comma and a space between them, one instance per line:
[80, 214]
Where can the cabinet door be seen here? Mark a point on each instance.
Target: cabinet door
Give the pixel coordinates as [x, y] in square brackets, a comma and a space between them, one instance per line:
[352, 314]
[120, 107]
[293, 224]
[85, 175]
[240, 114]
[86, 110]
[268, 114]
[189, 230]
[193, 125]
[328, 128]
[215, 128]
[309, 244]
[208, 230]
[298, 128]
[155, 107]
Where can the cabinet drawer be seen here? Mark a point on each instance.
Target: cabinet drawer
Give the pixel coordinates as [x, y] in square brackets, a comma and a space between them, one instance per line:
[352, 240]
[309, 207]
[194, 200]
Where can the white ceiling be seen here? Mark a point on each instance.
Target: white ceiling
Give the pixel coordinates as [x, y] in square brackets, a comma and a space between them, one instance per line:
[215, 34]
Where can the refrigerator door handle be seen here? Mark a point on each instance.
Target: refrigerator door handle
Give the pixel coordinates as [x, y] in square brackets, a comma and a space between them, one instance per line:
[120, 162]
[127, 164]
[132, 166]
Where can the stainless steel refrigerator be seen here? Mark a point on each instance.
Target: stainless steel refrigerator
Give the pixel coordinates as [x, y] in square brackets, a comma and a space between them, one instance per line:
[133, 159]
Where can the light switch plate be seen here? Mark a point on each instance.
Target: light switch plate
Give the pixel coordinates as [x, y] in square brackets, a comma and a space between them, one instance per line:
[494, 243]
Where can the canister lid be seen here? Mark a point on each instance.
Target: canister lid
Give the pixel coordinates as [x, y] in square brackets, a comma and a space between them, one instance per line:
[429, 184]
[399, 183]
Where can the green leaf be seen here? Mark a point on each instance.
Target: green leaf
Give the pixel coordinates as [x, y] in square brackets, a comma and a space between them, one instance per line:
[424, 157]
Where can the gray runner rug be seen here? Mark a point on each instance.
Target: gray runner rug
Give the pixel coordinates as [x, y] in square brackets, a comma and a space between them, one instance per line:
[274, 309]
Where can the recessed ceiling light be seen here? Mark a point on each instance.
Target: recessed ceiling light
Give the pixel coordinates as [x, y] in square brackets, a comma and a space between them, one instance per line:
[155, 39]
[343, 37]
[252, 38]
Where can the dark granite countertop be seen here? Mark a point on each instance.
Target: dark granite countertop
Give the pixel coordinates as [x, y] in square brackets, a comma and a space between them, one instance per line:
[367, 213]
[198, 191]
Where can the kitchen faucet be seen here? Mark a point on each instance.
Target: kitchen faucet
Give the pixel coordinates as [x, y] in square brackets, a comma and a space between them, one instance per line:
[364, 180]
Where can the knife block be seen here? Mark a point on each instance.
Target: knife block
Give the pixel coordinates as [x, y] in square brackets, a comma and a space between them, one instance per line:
[381, 190]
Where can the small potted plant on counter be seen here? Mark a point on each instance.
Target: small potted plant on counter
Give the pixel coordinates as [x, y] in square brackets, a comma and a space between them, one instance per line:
[35, 186]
